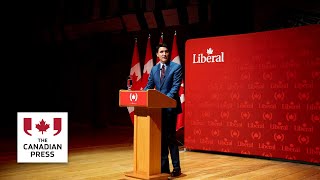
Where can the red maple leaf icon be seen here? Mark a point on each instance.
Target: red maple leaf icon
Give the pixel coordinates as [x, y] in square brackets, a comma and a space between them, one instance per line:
[42, 126]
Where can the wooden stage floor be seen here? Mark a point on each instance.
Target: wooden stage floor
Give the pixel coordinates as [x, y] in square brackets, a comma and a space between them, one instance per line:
[108, 154]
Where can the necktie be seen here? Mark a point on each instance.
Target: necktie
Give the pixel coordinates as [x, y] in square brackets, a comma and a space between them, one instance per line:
[163, 71]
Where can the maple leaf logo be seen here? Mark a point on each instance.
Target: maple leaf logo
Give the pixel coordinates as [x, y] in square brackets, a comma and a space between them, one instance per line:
[209, 51]
[42, 126]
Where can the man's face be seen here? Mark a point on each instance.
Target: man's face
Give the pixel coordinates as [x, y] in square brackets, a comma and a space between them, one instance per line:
[163, 54]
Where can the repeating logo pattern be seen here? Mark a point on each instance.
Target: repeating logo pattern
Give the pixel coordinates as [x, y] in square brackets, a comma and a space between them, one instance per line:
[261, 102]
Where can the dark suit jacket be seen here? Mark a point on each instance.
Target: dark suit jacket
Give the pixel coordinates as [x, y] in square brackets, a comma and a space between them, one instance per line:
[170, 84]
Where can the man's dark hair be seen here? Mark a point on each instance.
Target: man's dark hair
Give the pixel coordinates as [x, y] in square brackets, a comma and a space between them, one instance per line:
[161, 45]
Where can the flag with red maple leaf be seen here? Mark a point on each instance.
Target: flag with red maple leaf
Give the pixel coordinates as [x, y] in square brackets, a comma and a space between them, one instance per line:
[148, 64]
[42, 126]
[175, 58]
[135, 73]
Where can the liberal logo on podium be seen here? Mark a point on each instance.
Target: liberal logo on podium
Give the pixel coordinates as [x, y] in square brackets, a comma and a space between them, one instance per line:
[42, 137]
[133, 97]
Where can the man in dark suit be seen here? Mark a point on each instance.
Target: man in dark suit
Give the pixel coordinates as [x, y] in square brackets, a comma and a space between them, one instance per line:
[166, 77]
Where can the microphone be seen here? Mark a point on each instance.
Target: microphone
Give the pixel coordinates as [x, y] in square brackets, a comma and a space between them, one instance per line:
[129, 83]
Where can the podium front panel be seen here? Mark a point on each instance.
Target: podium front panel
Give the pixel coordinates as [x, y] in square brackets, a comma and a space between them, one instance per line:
[133, 98]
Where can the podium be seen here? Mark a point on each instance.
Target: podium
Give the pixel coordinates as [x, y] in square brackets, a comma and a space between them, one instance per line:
[147, 131]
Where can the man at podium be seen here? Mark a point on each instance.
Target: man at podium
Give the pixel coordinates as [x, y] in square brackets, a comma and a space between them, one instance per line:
[166, 77]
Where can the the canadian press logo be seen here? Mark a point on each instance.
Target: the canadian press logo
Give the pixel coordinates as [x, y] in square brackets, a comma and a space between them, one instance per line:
[209, 58]
[42, 137]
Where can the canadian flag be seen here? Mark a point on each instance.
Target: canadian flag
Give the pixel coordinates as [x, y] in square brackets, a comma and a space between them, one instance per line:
[160, 41]
[148, 64]
[135, 73]
[175, 58]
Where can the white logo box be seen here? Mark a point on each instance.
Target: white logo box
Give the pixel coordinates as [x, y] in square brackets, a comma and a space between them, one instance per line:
[42, 137]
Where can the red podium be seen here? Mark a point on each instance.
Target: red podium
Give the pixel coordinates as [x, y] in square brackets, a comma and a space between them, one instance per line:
[147, 131]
